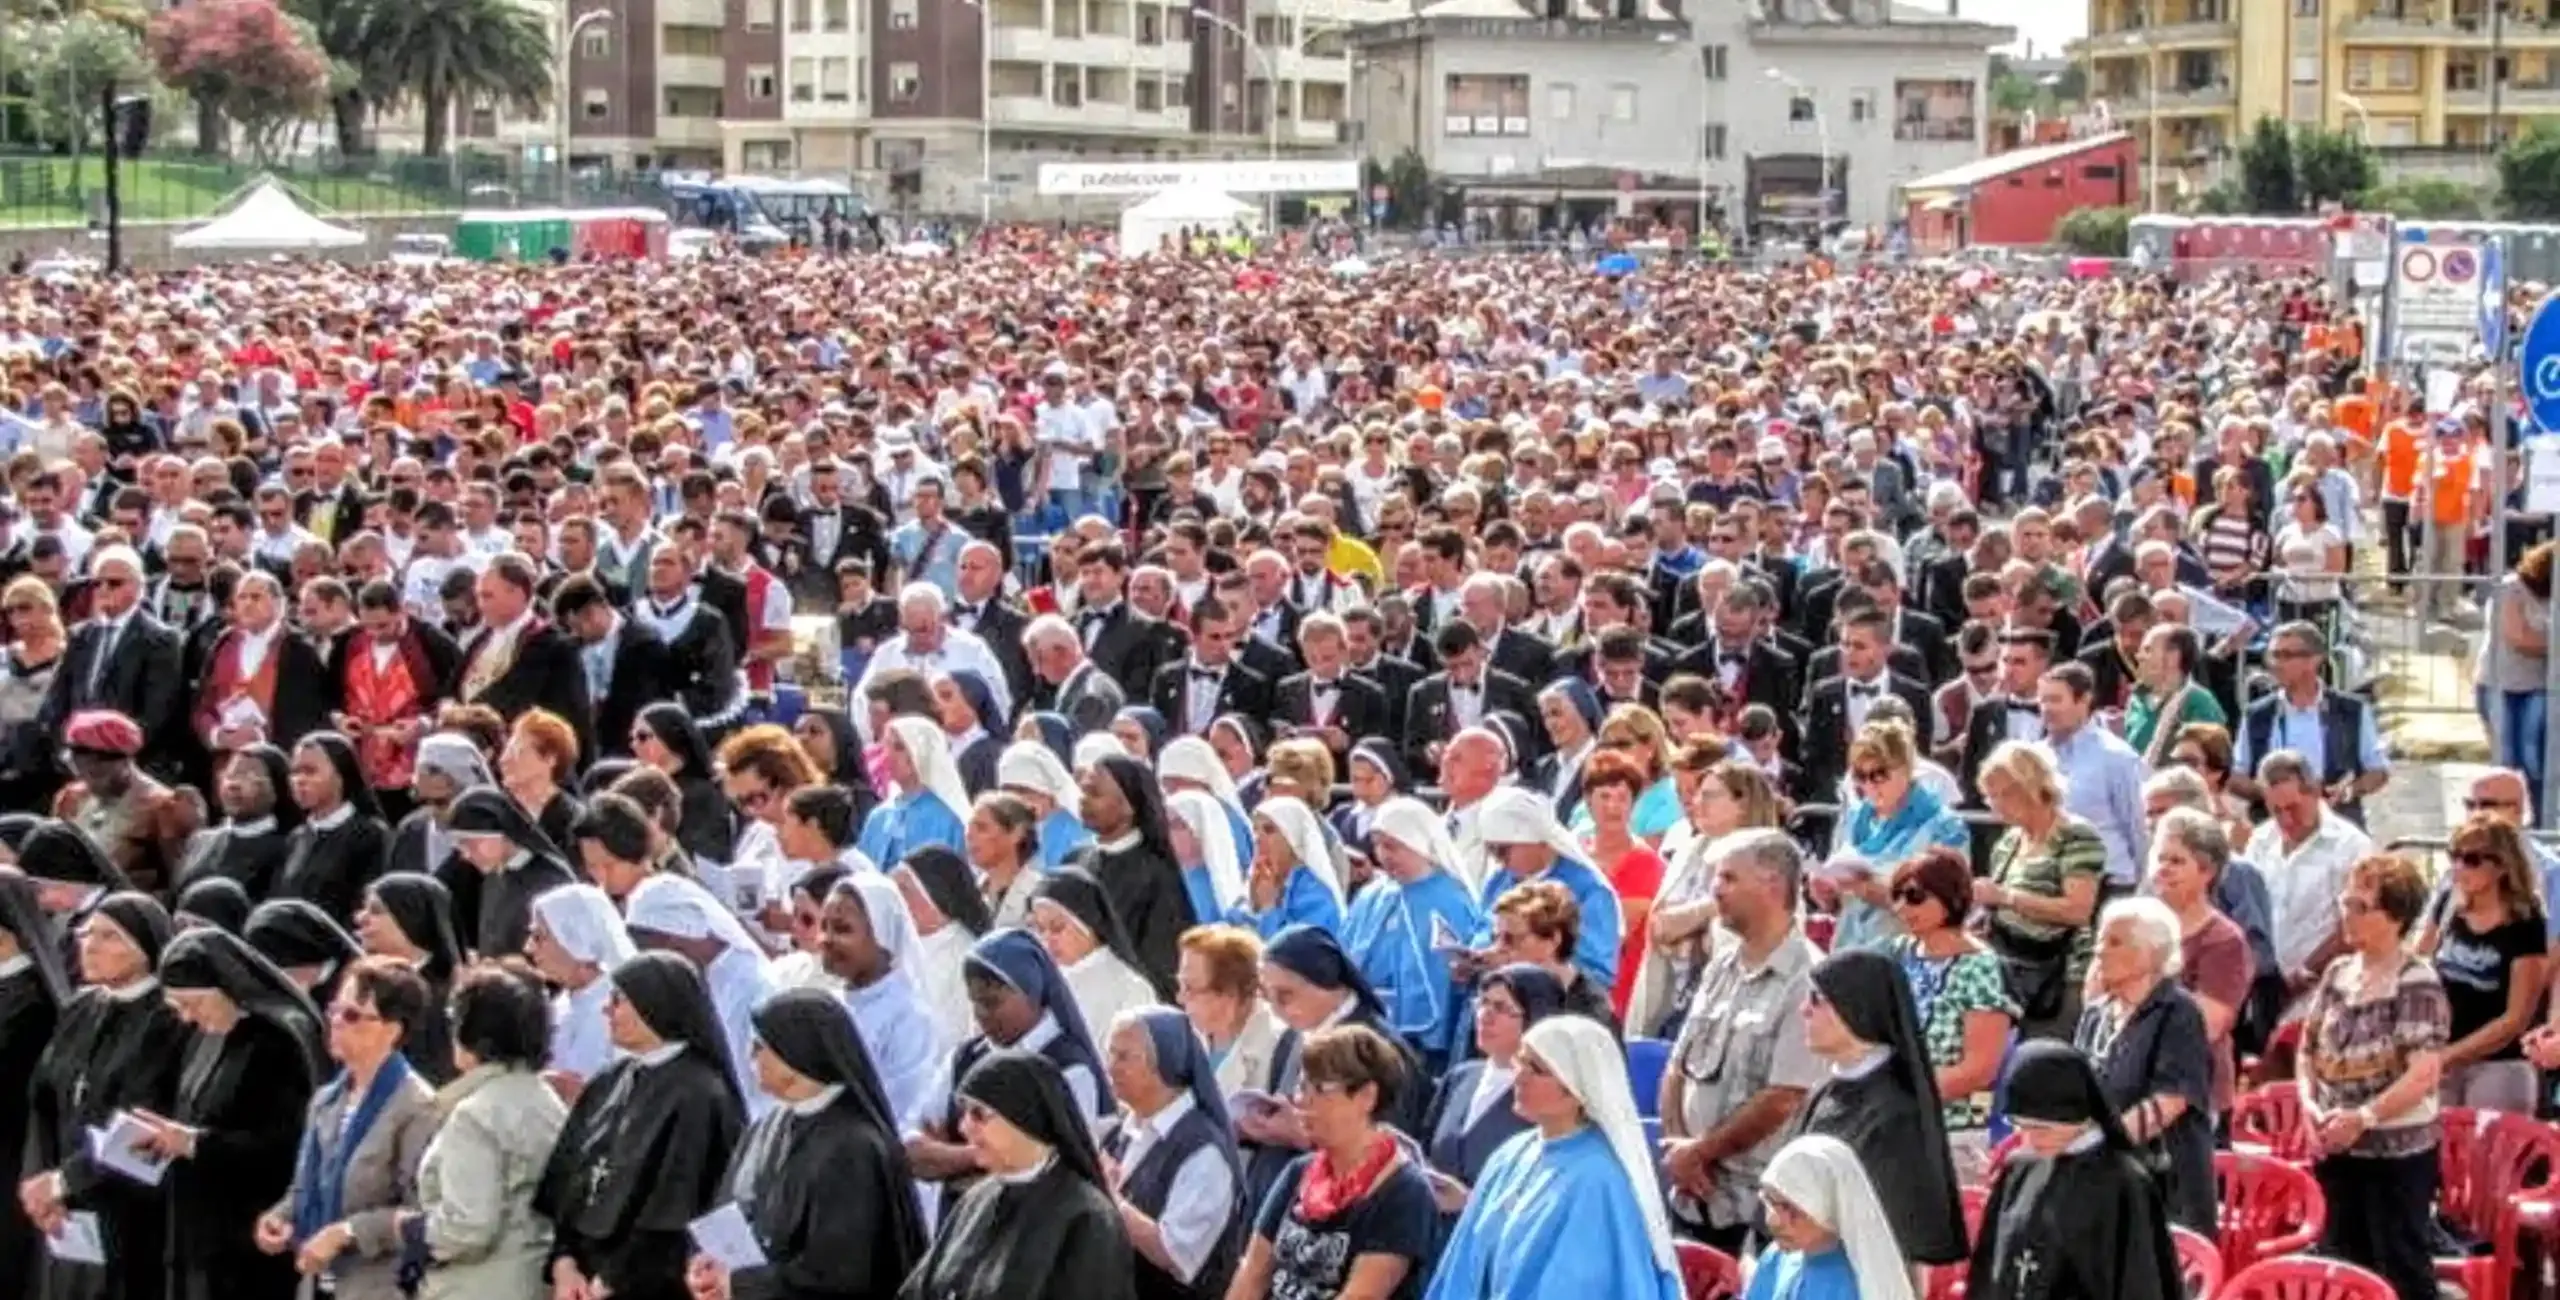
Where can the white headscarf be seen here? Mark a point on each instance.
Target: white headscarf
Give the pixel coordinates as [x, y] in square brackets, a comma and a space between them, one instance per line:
[1189, 758]
[582, 921]
[1031, 765]
[1199, 810]
[671, 904]
[1821, 1176]
[930, 750]
[1095, 746]
[1410, 822]
[893, 927]
[1305, 835]
[1588, 1061]
[1513, 815]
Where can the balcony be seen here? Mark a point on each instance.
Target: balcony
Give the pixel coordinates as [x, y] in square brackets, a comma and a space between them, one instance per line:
[692, 70]
[2512, 100]
[1938, 130]
[2167, 36]
[1089, 118]
[1943, 34]
[2212, 97]
[693, 13]
[690, 132]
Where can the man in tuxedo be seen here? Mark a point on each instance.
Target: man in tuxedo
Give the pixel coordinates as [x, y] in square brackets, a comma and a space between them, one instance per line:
[628, 666]
[2112, 648]
[1271, 617]
[1485, 600]
[1207, 683]
[1236, 591]
[836, 528]
[702, 661]
[1837, 708]
[519, 662]
[1910, 627]
[1126, 645]
[2011, 714]
[1068, 682]
[982, 609]
[1952, 705]
[1825, 662]
[1327, 701]
[1745, 667]
[1611, 600]
[122, 659]
[1462, 694]
[1362, 657]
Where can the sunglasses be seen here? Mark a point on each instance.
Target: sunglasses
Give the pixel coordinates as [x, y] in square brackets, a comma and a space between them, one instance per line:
[2474, 858]
[1868, 775]
[1910, 896]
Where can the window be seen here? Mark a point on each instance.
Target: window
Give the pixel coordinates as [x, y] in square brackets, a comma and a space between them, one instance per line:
[1485, 104]
[596, 41]
[1066, 88]
[803, 13]
[1622, 103]
[760, 15]
[835, 80]
[2399, 69]
[902, 15]
[1800, 109]
[1150, 26]
[700, 42]
[1934, 110]
[1715, 57]
[1177, 92]
[833, 15]
[2098, 172]
[2306, 70]
[1862, 106]
[597, 104]
[804, 81]
[2306, 8]
[1150, 96]
[905, 82]
[1560, 103]
[1711, 141]
[760, 81]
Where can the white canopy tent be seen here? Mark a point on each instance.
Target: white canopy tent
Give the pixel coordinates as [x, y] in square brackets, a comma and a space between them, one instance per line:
[1145, 225]
[266, 220]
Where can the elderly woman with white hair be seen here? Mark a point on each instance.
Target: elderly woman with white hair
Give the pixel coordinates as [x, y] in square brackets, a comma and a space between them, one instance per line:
[2190, 856]
[2147, 1040]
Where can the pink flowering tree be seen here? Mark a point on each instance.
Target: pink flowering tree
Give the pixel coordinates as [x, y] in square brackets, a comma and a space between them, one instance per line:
[247, 59]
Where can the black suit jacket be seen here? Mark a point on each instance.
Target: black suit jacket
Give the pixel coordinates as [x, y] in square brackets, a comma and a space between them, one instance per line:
[1768, 677]
[1825, 747]
[728, 595]
[1527, 656]
[858, 534]
[1241, 690]
[1924, 633]
[1284, 619]
[1395, 678]
[145, 680]
[545, 674]
[1943, 585]
[1901, 661]
[1001, 626]
[1429, 719]
[1985, 731]
[644, 673]
[1130, 647]
[1359, 706]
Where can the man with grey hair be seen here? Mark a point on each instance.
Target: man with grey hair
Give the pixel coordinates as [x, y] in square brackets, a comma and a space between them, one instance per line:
[2306, 851]
[1065, 680]
[928, 645]
[1740, 1067]
[121, 658]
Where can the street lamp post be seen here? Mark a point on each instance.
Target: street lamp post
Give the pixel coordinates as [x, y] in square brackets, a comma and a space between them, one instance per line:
[569, 30]
[986, 110]
[1822, 146]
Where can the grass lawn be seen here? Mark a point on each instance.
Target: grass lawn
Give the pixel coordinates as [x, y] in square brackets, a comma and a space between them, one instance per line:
[43, 191]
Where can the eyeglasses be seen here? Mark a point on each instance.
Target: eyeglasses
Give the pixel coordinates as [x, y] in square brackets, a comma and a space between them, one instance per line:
[1869, 775]
[2287, 652]
[347, 1014]
[113, 584]
[1911, 896]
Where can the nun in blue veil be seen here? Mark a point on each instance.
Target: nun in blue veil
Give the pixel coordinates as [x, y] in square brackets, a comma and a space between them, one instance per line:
[1471, 1112]
[1180, 1171]
[930, 806]
[1406, 925]
[1312, 984]
[1054, 731]
[1204, 846]
[1291, 879]
[1526, 843]
[1022, 1000]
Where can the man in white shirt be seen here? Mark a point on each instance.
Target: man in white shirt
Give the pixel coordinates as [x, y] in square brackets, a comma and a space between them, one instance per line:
[1066, 430]
[928, 645]
[2305, 851]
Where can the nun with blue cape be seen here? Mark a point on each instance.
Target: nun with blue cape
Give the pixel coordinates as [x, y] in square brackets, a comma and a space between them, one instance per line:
[1311, 984]
[1204, 845]
[931, 805]
[1188, 763]
[1526, 843]
[1033, 772]
[1179, 1168]
[1572, 1210]
[1406, 924]
[1292, 881]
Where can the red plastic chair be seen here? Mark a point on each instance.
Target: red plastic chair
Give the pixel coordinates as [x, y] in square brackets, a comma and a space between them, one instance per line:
[2303, 1278]
[2269, 1208]
[1947, 1281]
[2199, 1263]
[2269, 1122]
[2458, 1162]
[2511, 1171]
[1707, 1273]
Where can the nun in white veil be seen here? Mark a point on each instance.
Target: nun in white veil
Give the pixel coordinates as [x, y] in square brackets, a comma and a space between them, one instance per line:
[1205, 843]
[672, 913]
[1828, 1236]
[932, 803]
[1403, 927]
[1188, 763]
[577, 941]
[1572, 1209]
[907, 1040]
[1293, 880]
[1526, 843]
[1031, 771]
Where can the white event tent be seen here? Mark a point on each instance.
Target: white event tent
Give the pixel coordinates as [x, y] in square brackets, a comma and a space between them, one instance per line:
[1146, 224]
[266, 220]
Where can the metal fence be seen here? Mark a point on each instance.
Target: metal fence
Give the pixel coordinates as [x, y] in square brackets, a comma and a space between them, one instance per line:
[53, 189]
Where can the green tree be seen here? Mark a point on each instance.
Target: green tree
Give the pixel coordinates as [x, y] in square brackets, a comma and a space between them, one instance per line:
[362, 77]
[458, 52]
[2095, 232]
[2266, 169]
[2332, 166]
[2529, 173]
[2429, 197]
[257, 66]
[70, 65]
[2225, 199]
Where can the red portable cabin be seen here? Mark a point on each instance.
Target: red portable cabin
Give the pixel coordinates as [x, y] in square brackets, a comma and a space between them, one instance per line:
[625, 233]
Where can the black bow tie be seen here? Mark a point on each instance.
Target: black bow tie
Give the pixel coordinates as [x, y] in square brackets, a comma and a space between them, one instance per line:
[1329, 687]
[2021, 706]
[1737, 658]
[1200, 674]
[1865, 690]
[1093, 616]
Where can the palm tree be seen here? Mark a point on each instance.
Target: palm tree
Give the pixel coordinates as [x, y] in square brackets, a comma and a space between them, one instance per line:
[349, 32]
[447, 52]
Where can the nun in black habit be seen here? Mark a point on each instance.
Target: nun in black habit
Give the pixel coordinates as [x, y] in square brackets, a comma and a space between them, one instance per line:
[249, 846]
[118, 1046]
[516, 863]
[1045, 1226]
[312, 950]
[14, 829]
[32, 995]
[2070, 1218]
[342, 842]
[644, 1149]
[822, 1177]
[72, 875]
[1881, 1100]
[1132, 855]
[409, 917]
[708, 827]
[215, 901]
[244, 1090]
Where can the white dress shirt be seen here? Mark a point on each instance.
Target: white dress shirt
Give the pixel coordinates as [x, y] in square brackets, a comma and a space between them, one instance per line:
[1197, 1201]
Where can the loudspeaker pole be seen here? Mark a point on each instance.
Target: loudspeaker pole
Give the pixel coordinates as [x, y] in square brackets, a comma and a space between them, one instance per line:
[115, 196]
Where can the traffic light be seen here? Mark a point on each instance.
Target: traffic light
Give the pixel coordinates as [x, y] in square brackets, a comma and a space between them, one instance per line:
[132, 124]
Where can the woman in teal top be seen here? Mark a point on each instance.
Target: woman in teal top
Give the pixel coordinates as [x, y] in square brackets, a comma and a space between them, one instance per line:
[931, 806]
[1828, 1239]
[1890, 820]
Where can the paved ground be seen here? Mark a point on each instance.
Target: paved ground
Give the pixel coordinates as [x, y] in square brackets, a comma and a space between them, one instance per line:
[2429, 725]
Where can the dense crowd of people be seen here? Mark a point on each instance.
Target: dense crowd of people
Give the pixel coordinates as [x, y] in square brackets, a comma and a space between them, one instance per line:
[1032, 775]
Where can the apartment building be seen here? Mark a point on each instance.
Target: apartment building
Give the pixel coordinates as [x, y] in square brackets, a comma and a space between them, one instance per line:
[2190, 78]
[1539, 113]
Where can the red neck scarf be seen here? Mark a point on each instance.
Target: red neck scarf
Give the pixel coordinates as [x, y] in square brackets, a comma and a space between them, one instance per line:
[1325, 1192]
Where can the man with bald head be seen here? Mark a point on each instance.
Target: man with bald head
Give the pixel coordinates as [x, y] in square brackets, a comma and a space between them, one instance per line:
[122, 659]
[1471, 768]
[982, 609]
